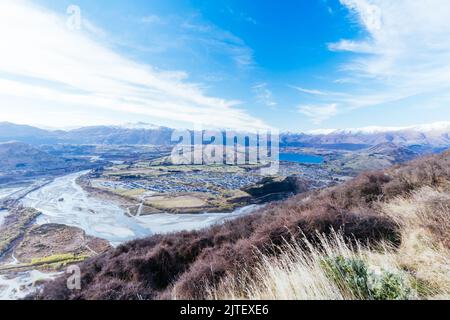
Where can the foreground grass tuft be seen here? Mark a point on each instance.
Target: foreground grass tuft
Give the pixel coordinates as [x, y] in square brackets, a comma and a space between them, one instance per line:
[333, 270]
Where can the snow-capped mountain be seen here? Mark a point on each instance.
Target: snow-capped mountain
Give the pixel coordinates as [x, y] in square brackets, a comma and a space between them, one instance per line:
[443, 126]
[139, 126]
[434, 134]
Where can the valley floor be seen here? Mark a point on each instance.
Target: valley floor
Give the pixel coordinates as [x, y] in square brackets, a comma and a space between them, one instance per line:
[41, 233]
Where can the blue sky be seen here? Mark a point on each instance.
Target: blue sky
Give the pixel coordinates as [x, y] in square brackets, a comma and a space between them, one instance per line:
[295, 65]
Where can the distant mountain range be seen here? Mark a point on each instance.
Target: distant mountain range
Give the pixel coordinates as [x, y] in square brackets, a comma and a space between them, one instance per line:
[443, 126]
[138, 134]
[433, 135]
[24, 133]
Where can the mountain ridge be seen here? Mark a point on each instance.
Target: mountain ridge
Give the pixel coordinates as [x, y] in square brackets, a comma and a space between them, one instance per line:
[435, 135]
[434, 126]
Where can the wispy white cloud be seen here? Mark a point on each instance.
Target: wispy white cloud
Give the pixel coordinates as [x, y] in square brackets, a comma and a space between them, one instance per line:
[241, 16]
[193, 38]
[151, 19]
[407, 46]
[264, 95]
[194, 31]
[316, 92]
[328, 6]
[318, 113]
[45, 63]
[404, 53]
[310, 91]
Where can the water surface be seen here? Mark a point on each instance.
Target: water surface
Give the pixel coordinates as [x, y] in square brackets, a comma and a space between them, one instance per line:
[64, 202]
[301, 158]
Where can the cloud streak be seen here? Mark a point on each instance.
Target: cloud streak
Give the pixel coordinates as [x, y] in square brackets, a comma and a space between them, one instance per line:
[318, 113]
[264, 95]
[44, 62]
[404, 54]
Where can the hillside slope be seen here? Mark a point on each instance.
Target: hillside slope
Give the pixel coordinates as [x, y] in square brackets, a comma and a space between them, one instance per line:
[20, 162]
[23, 133]
[114, 135]
[377, 157]
[183, 265]
[21, 156]
[332, 269]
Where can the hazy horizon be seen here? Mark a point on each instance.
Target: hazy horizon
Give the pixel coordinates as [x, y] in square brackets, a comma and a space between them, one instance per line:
[368, 129]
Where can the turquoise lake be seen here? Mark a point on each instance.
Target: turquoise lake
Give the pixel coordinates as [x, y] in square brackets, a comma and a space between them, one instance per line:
[301, 158]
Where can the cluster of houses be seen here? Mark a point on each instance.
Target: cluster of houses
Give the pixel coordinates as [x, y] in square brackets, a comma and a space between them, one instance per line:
[208, 182]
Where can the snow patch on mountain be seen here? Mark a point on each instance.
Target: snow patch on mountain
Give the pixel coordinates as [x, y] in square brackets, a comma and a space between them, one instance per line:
[438, 127]
[139, 126]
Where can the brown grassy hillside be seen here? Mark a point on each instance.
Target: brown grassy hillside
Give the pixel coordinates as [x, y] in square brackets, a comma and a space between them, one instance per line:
[419, 268]
[368, 212]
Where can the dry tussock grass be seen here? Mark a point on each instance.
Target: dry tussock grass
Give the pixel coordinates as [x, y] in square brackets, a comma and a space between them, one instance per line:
[424, 217]
[423, 257]
[300, 272]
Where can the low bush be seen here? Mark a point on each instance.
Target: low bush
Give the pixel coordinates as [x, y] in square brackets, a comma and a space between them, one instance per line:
[355, 279]
[350, 275]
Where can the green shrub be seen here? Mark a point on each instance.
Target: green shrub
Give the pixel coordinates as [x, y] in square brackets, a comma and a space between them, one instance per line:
[389, 286]
[350, 275]
[354, 278]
